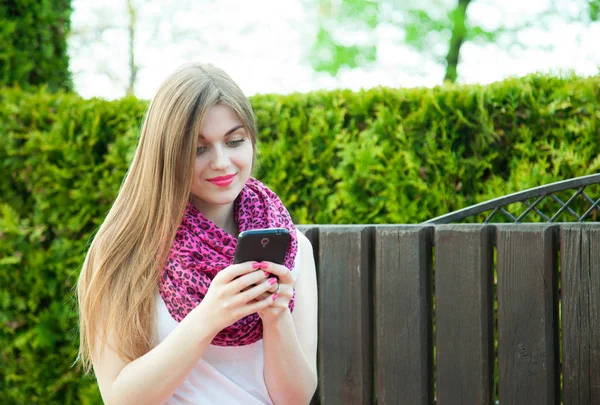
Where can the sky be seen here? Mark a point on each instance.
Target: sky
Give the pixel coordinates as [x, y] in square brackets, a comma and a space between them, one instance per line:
[264, 44]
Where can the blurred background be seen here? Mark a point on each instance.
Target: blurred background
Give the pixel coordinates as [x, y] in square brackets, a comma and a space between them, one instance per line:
[284, 46]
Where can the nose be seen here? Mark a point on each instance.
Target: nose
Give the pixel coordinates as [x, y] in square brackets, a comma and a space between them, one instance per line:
[220, 160]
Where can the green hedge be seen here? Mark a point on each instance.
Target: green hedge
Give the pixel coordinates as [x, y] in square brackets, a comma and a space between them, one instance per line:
[33, 34]
[375, 156]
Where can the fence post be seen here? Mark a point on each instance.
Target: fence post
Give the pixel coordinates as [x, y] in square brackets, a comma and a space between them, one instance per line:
[527, 315]
[580, 274]
[345, 326]
[403, 315]
[464, 315]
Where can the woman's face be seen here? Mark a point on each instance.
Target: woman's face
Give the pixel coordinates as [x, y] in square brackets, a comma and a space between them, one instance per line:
[223, 159]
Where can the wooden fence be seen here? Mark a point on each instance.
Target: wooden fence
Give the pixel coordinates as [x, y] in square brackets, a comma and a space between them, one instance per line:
[458, 314]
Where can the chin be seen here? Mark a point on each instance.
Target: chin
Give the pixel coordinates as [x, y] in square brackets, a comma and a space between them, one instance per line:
[221, 201]
[223, 198]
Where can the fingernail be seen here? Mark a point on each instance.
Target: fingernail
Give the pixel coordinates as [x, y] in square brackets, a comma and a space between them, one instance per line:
[256, 265]
[272, 281]
[275, 296]
[264, 266]
[267, 274]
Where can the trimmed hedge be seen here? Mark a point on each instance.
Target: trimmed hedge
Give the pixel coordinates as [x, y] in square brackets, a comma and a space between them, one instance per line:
[375, 156]
[33, 35]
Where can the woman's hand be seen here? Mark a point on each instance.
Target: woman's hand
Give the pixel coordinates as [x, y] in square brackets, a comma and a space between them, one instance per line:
[281, 293]
[237, 291]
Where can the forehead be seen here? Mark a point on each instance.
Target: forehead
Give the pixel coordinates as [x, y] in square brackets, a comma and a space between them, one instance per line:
[218, 121]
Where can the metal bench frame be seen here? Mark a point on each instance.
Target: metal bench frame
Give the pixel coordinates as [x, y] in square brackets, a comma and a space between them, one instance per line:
[539, 193]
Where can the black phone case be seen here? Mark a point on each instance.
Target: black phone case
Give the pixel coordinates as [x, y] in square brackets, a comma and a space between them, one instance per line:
[262, 245]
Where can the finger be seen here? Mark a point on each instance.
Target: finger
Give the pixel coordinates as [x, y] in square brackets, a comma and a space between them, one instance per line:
[271, 289]
[256, 306]
[262, 296]
[283, 273]
[254, 292]
[273, 284]
[247, 288]
[280, 301]
[285, 290]
[236, 270]
[274, 287]
[247, 281]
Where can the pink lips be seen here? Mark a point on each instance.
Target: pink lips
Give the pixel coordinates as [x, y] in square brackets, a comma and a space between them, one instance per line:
[222, 181]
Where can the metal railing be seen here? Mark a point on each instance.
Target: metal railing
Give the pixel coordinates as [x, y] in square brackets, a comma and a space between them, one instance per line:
[532, 199]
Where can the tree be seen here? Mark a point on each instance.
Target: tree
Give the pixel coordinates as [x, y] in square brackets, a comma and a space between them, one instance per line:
[139, 29]
[459, 33]
[133, 67]
[425, 24]
[33, 35]
[85, 39]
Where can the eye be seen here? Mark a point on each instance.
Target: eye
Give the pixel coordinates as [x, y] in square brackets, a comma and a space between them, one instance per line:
[236, 143]
[200, 149]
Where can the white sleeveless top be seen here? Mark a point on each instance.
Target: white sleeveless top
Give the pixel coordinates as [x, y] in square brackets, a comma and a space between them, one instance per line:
[224, 375]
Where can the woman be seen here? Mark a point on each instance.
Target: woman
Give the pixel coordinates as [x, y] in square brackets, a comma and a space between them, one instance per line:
[165, 317]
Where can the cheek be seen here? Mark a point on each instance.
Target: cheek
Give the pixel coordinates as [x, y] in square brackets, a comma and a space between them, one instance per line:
[199, 165]
[245, 159]
[199, 169]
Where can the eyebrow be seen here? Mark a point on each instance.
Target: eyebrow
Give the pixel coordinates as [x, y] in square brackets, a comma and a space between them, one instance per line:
[232, 130]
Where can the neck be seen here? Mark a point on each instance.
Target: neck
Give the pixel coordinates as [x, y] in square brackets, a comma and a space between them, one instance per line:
[220, 215]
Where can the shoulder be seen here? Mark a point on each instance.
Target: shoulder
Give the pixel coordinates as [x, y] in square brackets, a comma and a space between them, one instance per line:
[303, 242]
[305, 251]
[304, 245]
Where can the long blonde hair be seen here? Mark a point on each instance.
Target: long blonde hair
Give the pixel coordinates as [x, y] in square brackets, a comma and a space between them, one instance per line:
[119, 279]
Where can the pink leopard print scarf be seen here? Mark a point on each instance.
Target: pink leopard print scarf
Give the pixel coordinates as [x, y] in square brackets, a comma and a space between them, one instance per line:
[201, 250]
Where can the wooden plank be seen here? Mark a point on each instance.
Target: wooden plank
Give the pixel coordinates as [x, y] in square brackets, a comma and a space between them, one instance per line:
[312, 234]
[527, 312]
[345, 343]
[464, 315]
[403, 324]
[580, 274]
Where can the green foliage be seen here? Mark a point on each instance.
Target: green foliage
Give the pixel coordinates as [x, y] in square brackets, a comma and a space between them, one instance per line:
[62, 160]
[594, 10]
[389, 156]
[33, 35]
[329, 56]
[424, 27]
[435, 29]
[331, 52]
[375, 156]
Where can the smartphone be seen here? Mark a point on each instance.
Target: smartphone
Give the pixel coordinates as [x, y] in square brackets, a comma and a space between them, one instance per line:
[258, 245]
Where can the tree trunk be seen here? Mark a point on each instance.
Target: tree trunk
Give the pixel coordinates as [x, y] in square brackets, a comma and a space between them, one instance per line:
[132, 66]
[459, 32]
